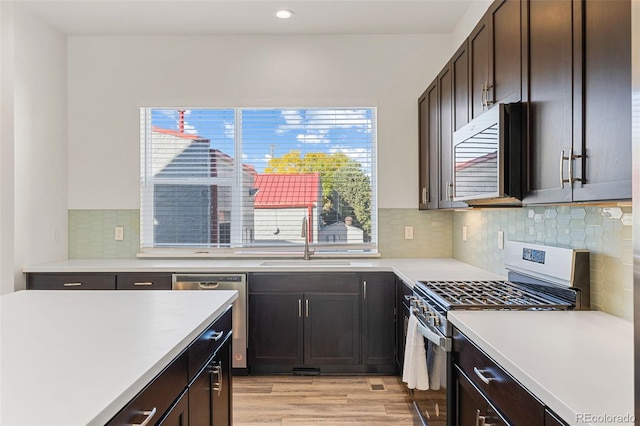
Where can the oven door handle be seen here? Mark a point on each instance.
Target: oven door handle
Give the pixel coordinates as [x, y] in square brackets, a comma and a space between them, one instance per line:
[435, 337]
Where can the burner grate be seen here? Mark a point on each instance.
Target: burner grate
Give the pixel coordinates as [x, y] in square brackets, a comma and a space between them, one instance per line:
[489, 294]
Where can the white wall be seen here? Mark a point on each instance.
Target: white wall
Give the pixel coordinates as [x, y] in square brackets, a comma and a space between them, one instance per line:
[468, 22]
[109, 78]
[6, 148]
[38, 145]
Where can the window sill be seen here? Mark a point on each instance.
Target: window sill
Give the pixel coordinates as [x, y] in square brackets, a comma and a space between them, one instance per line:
[252, 254]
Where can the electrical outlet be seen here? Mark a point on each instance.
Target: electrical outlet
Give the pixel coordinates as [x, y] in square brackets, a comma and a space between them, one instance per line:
[408, 232]
[464, 233]
[119, 234]
[500, 240]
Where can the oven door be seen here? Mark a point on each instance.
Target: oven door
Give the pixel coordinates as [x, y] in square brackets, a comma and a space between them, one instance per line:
[427, 353]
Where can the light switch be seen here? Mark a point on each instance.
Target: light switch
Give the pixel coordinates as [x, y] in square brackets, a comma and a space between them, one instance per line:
[119, 234]
[501, 240]
[464, 233]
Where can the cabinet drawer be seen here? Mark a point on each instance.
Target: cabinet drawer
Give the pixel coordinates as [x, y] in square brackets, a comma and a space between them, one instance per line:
[208, 342]
[160, 394]
[71, 282]
[515, 402]
[337, 282]
[143, 281]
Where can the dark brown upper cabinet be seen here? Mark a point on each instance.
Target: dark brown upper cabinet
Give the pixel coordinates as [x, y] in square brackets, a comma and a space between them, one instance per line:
[428, 148]
[578, 86]
[446, 115]
[495, 50]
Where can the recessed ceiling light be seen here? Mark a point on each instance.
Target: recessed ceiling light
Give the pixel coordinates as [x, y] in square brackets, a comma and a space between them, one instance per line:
[284, 14]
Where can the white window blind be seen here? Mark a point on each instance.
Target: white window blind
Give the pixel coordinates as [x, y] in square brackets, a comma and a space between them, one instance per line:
[230, 178]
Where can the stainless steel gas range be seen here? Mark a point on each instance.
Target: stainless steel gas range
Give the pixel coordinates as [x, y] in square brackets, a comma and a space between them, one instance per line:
[539, 278]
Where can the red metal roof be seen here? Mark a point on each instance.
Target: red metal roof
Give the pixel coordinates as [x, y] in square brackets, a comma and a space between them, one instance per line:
[176, 133]
[287, 190]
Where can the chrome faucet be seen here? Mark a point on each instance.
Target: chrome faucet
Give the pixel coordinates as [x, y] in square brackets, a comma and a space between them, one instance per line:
[305, 235]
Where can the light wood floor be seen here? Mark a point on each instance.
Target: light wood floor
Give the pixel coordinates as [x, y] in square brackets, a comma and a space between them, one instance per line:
[320, 400]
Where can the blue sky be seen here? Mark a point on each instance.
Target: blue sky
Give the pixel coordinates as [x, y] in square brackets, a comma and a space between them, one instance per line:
[278, 131]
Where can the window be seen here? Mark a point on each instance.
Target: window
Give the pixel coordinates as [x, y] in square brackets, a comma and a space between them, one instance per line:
[237, 178]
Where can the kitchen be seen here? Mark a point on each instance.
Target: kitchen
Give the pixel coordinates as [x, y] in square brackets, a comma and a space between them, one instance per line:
[96, 82]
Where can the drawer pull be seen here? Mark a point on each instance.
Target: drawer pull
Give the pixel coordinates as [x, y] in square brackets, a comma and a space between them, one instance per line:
[216, 336]
[143, 284]
[149, 415]
[72, 284]
[480, 374]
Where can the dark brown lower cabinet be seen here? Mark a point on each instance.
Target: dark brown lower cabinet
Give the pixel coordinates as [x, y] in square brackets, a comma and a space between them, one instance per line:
[172, 399]
[472, 408]
[312, 323]
[289, 331]
[210, 391]
[484, 393]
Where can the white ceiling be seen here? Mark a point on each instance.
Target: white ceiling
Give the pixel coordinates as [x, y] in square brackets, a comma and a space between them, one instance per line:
[191, 17]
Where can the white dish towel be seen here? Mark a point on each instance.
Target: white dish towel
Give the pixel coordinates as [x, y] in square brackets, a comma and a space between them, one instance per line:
[415, 373]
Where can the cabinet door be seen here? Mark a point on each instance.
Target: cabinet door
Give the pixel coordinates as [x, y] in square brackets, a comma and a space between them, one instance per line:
[445, 139]
[275, 329]
[200, 398]
[505, 52]
[221, 389]
[479, 60]
[378, 319]
[469, 402]
[402, 315]
[551, 42]
[460, 77]
[331, 329]
[445, 125]
[427, 146]
[605, 164]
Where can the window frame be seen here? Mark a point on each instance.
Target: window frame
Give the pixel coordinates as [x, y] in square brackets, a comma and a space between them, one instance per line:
[237, 248]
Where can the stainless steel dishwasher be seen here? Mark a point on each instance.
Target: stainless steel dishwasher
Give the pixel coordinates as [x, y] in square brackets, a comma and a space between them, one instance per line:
[224, 282]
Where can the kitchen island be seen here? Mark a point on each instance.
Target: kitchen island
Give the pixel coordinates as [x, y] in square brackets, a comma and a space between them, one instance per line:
[72, 358]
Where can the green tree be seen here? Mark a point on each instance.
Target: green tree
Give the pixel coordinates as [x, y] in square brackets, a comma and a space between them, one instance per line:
[354, 188]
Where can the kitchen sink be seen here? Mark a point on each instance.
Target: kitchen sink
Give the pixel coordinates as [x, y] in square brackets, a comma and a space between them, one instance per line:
[300, 262]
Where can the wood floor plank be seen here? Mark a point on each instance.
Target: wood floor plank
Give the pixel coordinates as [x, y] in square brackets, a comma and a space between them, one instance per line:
[321, 400]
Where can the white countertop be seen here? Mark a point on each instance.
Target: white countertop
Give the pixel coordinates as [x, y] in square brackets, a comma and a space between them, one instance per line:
[579, 363]
[410, 270]
[77, 357]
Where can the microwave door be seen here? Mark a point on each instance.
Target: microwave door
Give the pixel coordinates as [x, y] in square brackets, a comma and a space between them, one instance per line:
[478, 161]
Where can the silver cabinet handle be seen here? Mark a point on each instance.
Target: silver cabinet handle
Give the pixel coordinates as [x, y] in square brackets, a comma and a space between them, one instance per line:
[149, 415]
[482, 96]
[562, 160]
[424, 195]
[217, 336]
[72, 284]
[364, 287]
[480, 374]
[299, 308]
[306, 307]
[143, 284]
[486, 96]
[478, 416]
[217, 386]
[572, 157]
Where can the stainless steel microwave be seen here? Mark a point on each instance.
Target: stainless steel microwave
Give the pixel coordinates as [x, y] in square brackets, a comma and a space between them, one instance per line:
[489, 157]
